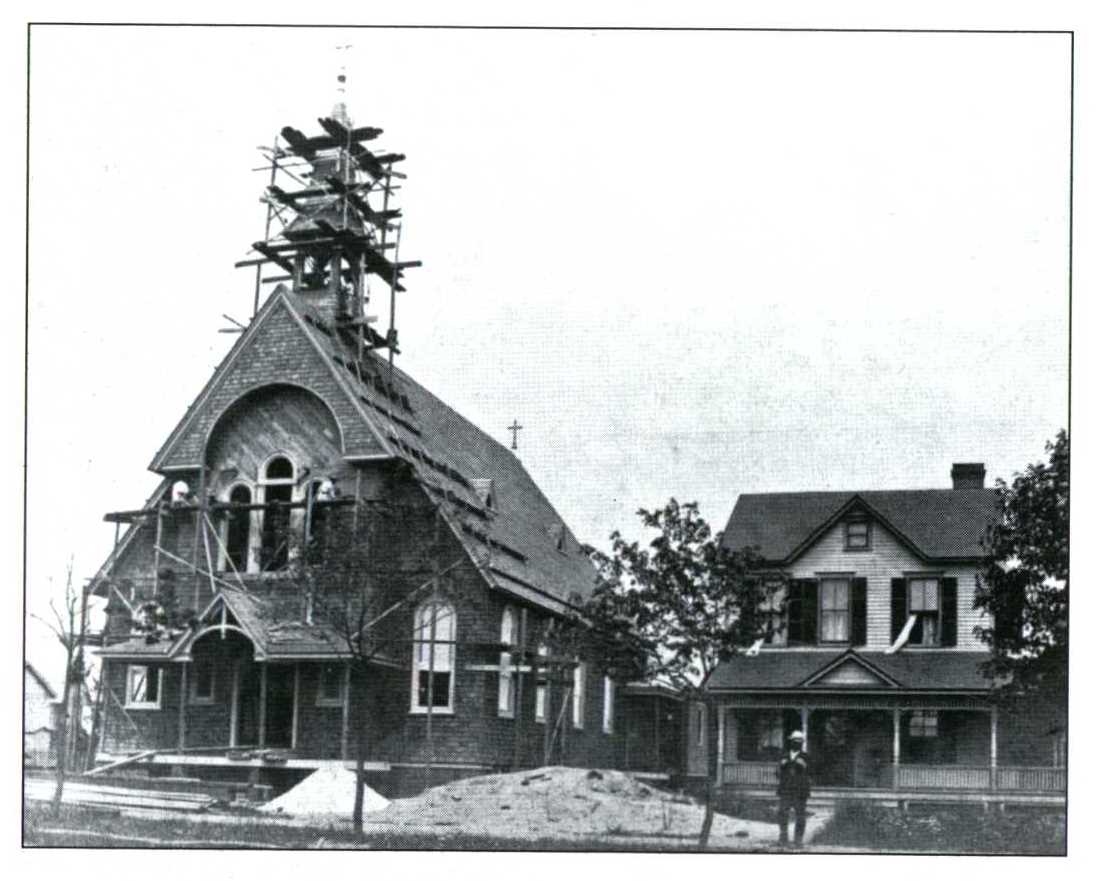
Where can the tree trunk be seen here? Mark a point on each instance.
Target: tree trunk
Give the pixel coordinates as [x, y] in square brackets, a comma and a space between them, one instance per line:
[710, 776]
[359, 769]
[62, 738]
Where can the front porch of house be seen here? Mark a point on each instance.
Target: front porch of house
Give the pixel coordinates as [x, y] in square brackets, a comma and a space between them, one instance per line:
[892, 748]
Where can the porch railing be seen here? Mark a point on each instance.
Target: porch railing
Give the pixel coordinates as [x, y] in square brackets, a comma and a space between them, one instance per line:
[950, 777]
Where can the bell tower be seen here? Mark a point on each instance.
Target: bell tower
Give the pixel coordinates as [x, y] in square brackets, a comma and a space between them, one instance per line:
[332, 226]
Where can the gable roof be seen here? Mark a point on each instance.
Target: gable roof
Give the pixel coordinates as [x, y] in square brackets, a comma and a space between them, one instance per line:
[40, 679]
[520, 545]
[936, 524]
[917, 670]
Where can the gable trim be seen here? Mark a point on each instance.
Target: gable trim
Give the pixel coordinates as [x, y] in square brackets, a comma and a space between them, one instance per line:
[181, 649]
[843, 659]
[854, 501]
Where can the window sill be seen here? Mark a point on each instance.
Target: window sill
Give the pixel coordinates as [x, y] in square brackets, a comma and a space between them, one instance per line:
[329, 702]
[202, 701]
[437, 711]
[143, 706]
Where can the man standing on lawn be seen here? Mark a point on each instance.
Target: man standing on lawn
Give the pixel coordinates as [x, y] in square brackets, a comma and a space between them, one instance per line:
[793, 788]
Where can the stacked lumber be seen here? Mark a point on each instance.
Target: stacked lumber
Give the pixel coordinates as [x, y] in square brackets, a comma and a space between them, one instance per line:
[118, 797]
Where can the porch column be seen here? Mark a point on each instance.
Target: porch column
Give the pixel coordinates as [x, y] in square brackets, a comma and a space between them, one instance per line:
[262, 704]
[345, 736]
[803, 726]
[720, 711]
[994, 747]
[183, 708]
[896, 728]
[296, 704]
[234, 703]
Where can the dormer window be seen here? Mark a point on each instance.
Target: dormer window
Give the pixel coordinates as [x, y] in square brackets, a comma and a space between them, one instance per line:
[858, 535]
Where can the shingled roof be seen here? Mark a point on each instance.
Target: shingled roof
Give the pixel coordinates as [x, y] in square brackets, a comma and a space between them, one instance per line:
[937, 524]
[950, 671]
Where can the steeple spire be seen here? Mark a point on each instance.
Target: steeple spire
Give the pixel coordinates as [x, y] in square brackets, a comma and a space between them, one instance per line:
[339, 110]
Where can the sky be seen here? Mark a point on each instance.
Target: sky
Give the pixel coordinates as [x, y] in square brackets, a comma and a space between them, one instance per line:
[691, 264]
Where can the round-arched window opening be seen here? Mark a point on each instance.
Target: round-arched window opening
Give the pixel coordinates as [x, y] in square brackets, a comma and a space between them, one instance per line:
[280, 468]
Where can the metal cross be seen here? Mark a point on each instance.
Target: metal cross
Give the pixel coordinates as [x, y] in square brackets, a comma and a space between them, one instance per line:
[514, 429]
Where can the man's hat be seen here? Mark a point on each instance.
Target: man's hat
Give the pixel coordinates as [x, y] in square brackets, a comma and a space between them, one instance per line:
[796, 735]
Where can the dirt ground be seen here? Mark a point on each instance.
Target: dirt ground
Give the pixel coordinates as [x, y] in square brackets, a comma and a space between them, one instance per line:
[569, 803]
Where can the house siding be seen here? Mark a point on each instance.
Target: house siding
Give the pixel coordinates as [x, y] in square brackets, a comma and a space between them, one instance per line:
[888, 559]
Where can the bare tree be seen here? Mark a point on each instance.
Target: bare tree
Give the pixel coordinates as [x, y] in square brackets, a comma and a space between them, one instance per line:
[354, 582]
[69, 627]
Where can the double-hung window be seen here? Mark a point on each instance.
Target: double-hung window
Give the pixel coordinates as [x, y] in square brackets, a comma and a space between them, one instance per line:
[540, 702]
[924, 602]
[433, 647]
[333, 678]
[834, 610]
[507, 636]
[143, 687]
[201, 687]
[579, 695]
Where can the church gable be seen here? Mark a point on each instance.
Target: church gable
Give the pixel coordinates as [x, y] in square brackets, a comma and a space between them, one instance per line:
[276, 349]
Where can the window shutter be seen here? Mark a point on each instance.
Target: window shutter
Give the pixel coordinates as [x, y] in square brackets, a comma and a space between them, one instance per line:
[948, 611]
[809, 612]
[858, 626]
[898, 606]
[793, 606]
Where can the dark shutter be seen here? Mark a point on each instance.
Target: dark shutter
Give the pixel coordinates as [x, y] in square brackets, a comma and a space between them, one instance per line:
[793, 606]
[858, 625]
[898, 606]
[948, 611]
[809, 612]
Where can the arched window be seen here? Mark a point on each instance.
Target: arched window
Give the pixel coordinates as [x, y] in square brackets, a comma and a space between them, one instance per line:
[508, 636]
[433, 657]
[238, 530]
[277, 488]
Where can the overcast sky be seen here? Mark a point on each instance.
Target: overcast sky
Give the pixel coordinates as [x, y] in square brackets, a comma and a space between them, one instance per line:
[690, 264]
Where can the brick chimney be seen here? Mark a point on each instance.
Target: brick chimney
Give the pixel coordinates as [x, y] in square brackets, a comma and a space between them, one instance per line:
[968, 475]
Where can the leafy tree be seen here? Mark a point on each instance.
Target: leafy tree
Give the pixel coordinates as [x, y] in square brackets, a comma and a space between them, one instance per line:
[682, 604]
[1026, 582]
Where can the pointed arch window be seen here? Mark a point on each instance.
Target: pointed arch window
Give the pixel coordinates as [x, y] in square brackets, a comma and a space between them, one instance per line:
[508, 636]
[433, 658]
[276, 484]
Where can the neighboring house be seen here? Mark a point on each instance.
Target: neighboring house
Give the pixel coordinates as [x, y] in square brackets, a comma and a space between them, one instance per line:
[41, 713]
[305, 417]
[874, 655]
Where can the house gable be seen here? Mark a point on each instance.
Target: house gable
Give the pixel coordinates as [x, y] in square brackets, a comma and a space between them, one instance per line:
[275, 349]
[850, 671]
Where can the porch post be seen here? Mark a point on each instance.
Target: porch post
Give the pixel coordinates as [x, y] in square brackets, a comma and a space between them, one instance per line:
[234, 707]
[994, 747]
[896, 727]
[803, 727]
[262, 704]
[183, 708]
[720, 710]
[345, 736]
[296, 703]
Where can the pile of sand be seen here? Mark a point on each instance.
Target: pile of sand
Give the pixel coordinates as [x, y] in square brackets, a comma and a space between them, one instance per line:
[327, 792]
[560, 802]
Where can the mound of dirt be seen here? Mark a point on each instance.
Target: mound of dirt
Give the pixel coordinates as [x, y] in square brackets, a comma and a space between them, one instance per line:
[327, 792]
[557, 802]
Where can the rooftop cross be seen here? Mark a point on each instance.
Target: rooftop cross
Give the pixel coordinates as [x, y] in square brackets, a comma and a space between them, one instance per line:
[514, 429]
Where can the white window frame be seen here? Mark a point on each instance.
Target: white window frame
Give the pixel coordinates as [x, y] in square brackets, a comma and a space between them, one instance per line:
[771, 607]
[579, 696]
[131, 674]
[607, 705]
[420, 660]
[540, 697]
[263, 485]
[328, 700]
[251, 562]
[925, 614]
[508, 629]
[836, 612]
[849, 545]
[194, 697]
[925, 724]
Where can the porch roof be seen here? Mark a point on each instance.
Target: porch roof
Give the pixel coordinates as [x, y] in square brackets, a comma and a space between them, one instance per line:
[910, 669]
